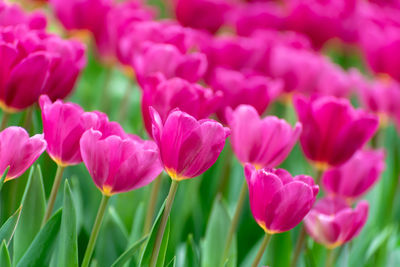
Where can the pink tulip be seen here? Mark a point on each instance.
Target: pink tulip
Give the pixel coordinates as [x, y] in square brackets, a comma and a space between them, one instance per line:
[239, 88]
[167, 95]
[13, 14]
[63, 126]
[119, 163]
[262, 142]
[332, 222]
[279, 201]
[332, 129]
[188, 147]
[355, 177]
[19, 151]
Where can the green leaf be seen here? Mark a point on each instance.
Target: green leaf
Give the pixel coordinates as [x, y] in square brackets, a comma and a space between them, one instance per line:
[40, 251]
[3, 177]
[146, 256]
[128, 254]
[7, 230]
[192, 258]
[4, 255]
[216, 234]
[172, 263]
[33, 208]
[68, 246]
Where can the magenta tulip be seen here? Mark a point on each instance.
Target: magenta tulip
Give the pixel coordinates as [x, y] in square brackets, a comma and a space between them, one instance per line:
[332, 129]
[355, 177]
[332, 222]
[119, 163]
[279, 201]
[19, 151]
[262, 142]
[13, 14]
[167, 95]
[188, 147]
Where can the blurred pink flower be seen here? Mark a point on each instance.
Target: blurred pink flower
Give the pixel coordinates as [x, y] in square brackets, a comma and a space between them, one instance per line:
[332, 222]
[332, 129]
[12, 14]
[188, 147]
[119, 163]
[262, 142]
[279, 201]
[355, 177]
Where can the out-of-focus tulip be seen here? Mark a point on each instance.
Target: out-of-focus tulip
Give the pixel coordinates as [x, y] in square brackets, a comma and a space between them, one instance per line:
[332, 222]
[193, 99]
[188, 147]
[19, 151]
[262, 142]
[355, 177]
[239, 88]
[279, 201]
[332, 129]
[119, 163]
[13, 14]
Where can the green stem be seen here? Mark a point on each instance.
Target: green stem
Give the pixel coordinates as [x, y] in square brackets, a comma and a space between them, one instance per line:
[330, 258]
[299, 246]
[155, 190]
[28, 118]
[261, 251]
[164, 219]
[95, 231]
[235, 221]
[4, 120]
[53, 194]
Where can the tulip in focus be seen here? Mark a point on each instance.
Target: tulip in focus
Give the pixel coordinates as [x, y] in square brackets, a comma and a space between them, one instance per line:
[188, 147]
[262, 142]
[355, 177]
[279, 201]
[19, 151]
[332, 129]
[332, 222]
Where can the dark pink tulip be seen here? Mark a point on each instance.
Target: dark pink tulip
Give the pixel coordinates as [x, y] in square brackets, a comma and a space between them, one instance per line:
[13, 14]
[19, 151]
[355, 177]
[63, 126]
[279, 201]
[240, 88]
[119, 163]
[332, 222]
[332, 129]
[167, 95]
[262, 142]
[188, 147]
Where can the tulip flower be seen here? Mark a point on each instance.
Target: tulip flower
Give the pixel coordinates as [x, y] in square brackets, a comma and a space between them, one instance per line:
[117, 163]
[356, 176]
[12, 14]
[332, 222]
[188, 147]
[191, 98]
[19, 151]
[262, 142]
[332, 129]
[278, 201]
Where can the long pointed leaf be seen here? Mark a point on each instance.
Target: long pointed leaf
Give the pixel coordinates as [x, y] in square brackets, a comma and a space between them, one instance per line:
[7, 230]
[128, 254]
[3, 177]
[4, 255]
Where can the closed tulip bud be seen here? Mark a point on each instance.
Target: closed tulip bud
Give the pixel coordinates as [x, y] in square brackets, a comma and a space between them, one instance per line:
[19, 151]
[332, 129]
[262, 142]
[279, 201]
[332, 222]
[188, 147]
[356, 176]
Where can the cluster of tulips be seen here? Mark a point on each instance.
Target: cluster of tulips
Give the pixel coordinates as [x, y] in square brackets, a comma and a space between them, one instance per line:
[226, 60]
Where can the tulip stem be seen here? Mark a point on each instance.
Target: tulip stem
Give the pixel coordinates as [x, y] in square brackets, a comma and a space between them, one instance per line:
[235, 221]
[95, 231]
[163, 224]
[155, 190]
[261, 251]
[53, 194]
[4, 120]
[330, 258]
[299, 246]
